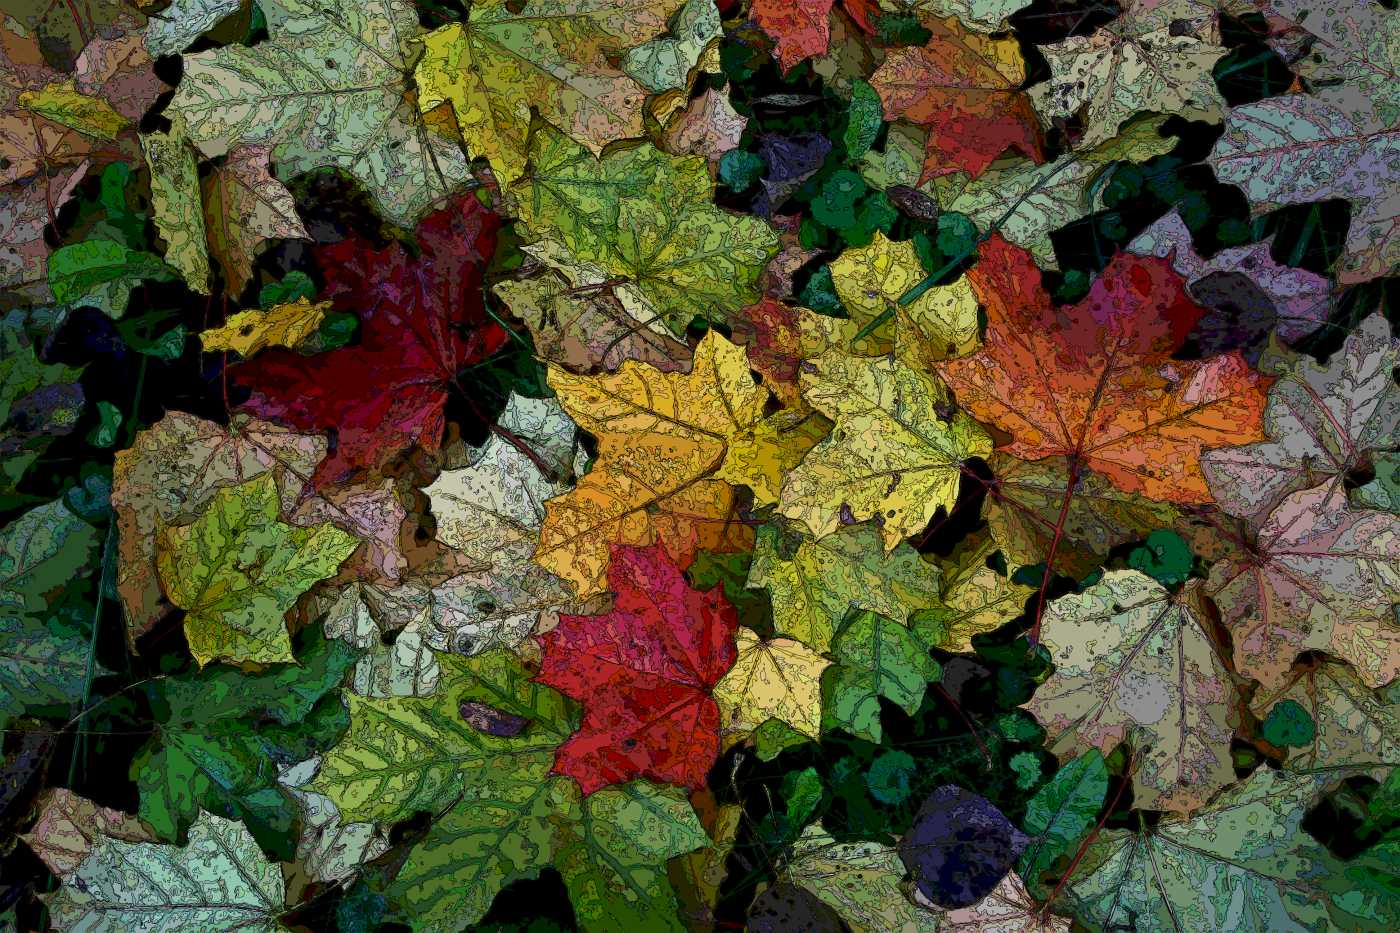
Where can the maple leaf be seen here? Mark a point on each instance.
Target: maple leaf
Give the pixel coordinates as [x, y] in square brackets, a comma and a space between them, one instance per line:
[1025, 201]
[1319, 576]
[236, 570]
[1353, 725]
[1156, 57]
[1023, 507]
[328, 87]
[965, 88]
[816, 581]
[1009, 908]
[244, 207]
[220, 880]
[647, 220]
[860, 880]
[555, 56]
[940, 323]
[875, 657]
[202, 755]
[800, 27]
[1323, 421]
[709, 127]
[661, 438]
[1250, 845]
[1292, 301]
[171, 471]
[579, 320]
[644, 673]
[896, 451]
[404, 754]
[977, 15]
[976, 598]
[1132, 661]
[776, 678]
[70, 826]
[175, 203]
[387, 393]
[1298, 149]
[1095, 382]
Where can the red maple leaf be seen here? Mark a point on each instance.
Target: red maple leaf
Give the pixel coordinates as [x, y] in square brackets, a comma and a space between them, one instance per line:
[965, 89]
[644, 672]
[422, 319]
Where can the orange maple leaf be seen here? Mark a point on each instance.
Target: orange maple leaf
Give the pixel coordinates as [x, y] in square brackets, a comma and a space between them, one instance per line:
[1095, 381]
[965, 89]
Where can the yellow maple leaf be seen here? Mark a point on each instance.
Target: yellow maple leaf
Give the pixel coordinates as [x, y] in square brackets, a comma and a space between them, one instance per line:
[896, 452]
[775, 679]
[975, 598]
[662, 440]
[939, 324]
[559, 57]
[284, 325]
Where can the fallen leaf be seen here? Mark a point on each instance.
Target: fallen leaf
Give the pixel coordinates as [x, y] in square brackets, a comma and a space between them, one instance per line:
[644, 673]
[896, 451]
[1132, 662]
[387, 392]
[661, 437]
[284, 325]
[965, 88]
[555, 56]
[236, 570]
[1323, 422]
[1094, 381]
[244, 207]
[771, 679]
[1319, 576]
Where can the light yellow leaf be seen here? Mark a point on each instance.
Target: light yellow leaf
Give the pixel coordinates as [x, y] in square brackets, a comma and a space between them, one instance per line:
[284, 325]
[896, 452]
[775, 679]
[940, 323]
[553, 56]
[761, 456]
[63, 103]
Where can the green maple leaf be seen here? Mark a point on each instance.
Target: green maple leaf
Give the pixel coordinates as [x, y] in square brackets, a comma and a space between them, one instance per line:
[480, 752]
[220, 734]
[1061, 812]
[824, 578]
[404, 754]
[40, 551]
[649, 221]
[611, 849]
[876, 657]
[219, 881]
[237, 570]
[1245, 864]
[329, 87]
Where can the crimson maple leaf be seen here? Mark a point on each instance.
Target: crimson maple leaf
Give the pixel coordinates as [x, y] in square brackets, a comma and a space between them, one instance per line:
[422, 319]
[644, 672]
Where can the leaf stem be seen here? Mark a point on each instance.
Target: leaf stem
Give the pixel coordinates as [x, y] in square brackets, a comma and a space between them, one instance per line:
[1070, 483]
[91, 670]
